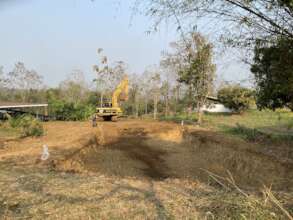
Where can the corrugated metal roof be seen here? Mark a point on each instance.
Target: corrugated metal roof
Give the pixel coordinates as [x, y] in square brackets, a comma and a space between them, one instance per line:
[11, 105]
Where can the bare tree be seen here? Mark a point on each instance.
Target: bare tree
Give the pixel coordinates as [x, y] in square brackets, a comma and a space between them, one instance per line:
[74, 89]
[170, 65]
[136, 88]
[2, 84]
[2, 78]
[155, 85]
[108, 75]
[24, 80]
[239, 22]
[145, 90]
[165, 92]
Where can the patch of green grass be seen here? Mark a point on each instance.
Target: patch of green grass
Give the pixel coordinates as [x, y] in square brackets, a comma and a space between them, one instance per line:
[178, 118]
[7, 132]
[255, 135]
[252, 125]
[278, 120]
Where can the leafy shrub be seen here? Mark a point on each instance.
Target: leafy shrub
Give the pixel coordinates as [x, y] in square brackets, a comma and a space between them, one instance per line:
[29, 126]
[14, 122]
[236, 98]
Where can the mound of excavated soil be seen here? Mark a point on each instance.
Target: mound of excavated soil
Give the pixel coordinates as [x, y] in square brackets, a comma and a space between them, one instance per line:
[160, 150]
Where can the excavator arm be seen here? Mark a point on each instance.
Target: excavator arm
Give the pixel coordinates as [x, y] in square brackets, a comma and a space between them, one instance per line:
[121, 88]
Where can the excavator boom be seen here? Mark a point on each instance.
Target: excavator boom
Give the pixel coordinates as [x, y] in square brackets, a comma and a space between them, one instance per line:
[121, 88]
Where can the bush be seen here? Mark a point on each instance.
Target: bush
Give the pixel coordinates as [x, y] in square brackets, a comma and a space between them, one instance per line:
[236, 98]
[14, 122]
[29, 126]
[69, 111]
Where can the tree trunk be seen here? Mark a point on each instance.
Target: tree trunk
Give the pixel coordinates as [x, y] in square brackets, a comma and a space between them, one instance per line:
[146, 107]
[201, 102]
[199, 117]
[155, 106]
[166, 106]
[176, 99]
[102, 97]
[136, 106]
[189, 111]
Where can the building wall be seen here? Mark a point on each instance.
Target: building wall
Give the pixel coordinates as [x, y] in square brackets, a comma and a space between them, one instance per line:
[217, 108]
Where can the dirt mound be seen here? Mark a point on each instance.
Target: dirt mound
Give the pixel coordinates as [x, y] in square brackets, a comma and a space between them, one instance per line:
[145, 151]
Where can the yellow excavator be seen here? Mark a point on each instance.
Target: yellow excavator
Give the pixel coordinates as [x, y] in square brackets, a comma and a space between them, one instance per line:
[111, 110]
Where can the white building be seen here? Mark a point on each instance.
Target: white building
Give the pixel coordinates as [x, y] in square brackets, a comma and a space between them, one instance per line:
[216, 108]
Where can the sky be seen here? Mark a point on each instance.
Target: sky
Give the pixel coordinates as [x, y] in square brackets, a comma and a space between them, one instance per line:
[56, 37]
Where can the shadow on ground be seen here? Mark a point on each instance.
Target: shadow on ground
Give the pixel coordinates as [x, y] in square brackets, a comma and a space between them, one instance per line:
[137, 153]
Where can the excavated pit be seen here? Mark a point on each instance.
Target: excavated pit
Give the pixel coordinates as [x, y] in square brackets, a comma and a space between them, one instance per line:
[177, 153]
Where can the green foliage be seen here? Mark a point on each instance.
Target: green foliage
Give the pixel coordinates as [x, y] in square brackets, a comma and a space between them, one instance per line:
[28, 125]
[14, 122]
[199, 72]
[31, 127]
[273, 71]
[76, 112]
[69, 111]
[236, 97]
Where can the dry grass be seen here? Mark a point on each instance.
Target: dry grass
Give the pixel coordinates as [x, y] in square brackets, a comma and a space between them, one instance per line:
[135, 170]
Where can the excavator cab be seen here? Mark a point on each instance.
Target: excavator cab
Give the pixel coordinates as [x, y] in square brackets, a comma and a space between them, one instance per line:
[107, 105]
[110, 110]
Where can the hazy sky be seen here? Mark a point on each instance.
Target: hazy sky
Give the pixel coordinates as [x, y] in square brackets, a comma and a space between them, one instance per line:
[54, 37]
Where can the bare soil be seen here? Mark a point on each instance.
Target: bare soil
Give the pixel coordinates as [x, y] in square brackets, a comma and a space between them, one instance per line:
[144, 153]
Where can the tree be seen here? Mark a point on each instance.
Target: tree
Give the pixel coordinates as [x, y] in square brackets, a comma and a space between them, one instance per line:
[273, 71]
[74, 89]
[145, 92]
[2, 79]
[244, 24]
[135, 93]
[236, 97]
[154, 80]
[196, 69]
[108, 76]
[170, 66]
[24, 80]
[243, 21]
[165, 90]
[2, 84]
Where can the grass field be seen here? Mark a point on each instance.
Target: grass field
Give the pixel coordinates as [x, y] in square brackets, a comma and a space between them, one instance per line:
[278, 124]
